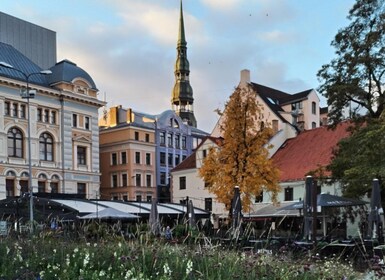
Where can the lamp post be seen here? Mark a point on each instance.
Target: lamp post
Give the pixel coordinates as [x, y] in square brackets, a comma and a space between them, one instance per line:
[27, 94]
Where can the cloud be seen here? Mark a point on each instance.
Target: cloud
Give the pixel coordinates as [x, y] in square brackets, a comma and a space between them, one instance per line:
[225, 5]
[278, 36]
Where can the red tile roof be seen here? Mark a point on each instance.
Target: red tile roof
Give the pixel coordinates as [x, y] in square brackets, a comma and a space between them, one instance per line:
[309, 151]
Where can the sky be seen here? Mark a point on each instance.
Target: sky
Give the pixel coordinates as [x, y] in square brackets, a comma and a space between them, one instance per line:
[129, 46]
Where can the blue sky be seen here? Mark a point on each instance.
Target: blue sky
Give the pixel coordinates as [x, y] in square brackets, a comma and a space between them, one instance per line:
[129, 46]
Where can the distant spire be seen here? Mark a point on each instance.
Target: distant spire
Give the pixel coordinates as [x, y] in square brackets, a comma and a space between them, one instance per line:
[182, 95]
[181, 36]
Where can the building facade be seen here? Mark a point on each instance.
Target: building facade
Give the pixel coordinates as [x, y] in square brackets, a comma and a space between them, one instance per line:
[151, 145]
[62, 118]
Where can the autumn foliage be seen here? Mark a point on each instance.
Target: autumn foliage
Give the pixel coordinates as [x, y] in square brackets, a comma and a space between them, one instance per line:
[242, 159]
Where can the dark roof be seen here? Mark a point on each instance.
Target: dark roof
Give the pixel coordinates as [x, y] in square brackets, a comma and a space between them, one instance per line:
[10, 55]
[310, 150]
[275, 98]
[271, 97]
[188, 163]
[296, 97]
[66, 71]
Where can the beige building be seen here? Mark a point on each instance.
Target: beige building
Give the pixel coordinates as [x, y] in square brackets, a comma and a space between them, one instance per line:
[127, 156]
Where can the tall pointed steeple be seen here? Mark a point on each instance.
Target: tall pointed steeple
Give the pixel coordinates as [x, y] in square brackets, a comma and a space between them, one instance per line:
[182, 95]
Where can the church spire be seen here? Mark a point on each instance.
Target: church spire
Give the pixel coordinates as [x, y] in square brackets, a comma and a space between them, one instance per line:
[182, 95]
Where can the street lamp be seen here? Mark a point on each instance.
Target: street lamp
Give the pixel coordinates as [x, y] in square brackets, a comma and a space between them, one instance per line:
[27, 94]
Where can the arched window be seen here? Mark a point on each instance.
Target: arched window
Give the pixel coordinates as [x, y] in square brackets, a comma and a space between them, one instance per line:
[15, 143]
[10, 182]
[54, 185]
[46, 147]
[42, 183]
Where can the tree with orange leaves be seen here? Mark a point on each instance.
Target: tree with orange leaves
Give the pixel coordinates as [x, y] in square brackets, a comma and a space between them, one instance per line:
[242, 159]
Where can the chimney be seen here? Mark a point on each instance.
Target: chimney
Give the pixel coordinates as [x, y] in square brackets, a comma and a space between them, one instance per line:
[114, 117]
[245, 77]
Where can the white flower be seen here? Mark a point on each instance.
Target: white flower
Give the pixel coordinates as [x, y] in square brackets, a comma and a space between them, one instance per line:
[102, 273]
[86, 259]
[189, 267]
[166, 269]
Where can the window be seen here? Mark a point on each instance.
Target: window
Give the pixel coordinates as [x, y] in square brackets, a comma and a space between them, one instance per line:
[170, 163]
[74, 120]
[169, 140]
[313, 108]
[296, 105]
[149, 198]
[22, 111]
[204, 153]
[82, 155]
[39, 114]
[7, 107]
[15, 143]
[177, 141]
[14, 109]
[124, 180]
[288, 194]
[182, 183]
[147, 137]
[125, 197]
[54, 186]
[137, 157]
[46, 115]
[184, 157]
[46, 147]
[87, 123]
[162, 139]
[163, 178]
[82, 189]
[148, 180]
[53, 117]
[114, 180]
[139, 197]
[114, 159]
[177, 159]
[259, 198]
[41, 187]
[136, 135]
[208, 204]
[313, 125]
[148, 158]
[124, 157]
[10, 187]
[207, 185]
[162, 158]
[138, 180]
[184, 142]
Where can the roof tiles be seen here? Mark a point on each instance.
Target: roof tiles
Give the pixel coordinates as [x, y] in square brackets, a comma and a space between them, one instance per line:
[308, 151]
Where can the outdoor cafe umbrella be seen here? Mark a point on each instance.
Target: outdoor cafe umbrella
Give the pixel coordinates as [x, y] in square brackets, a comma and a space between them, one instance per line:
[236, 212]
[326, 200]
[374, 219]
[191, 215]
[110, 213]
[154, 218]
